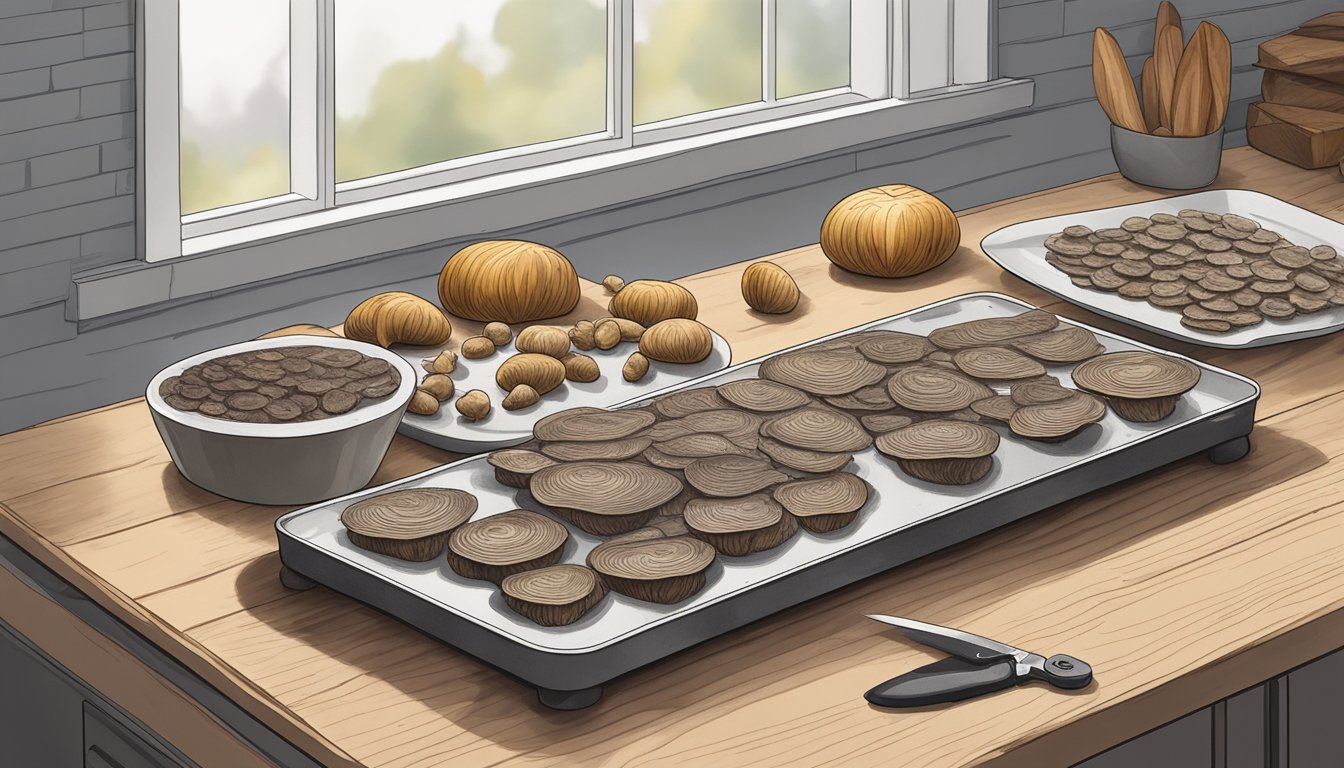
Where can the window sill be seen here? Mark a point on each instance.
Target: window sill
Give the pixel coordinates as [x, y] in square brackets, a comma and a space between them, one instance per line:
[478, 207]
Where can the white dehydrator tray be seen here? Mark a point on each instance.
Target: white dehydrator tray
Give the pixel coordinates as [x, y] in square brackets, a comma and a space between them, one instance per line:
[903, 520]
[1020, 249]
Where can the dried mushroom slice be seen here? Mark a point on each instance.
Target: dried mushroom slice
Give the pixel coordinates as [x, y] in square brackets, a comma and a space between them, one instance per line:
[1069, 344]
[738, 426]
[666, 570]
[803, 459]
[553, 596]
[895, 347]
[604, 498]
[886, 422]
[699, 445]
[823, 373]
[496, 547]
[825, 504]
[1059, 420]
[999, 408]
[1140, 386]
[725, 476]
[741, 526]
[689, 401]
[763, 396]
[665, 460]
[942, 451]
[591, 425]
[412, 524]
[514, 467]
[874, 398]
[932, 389]
[996, 364]
[1039, 392]
[979, 333]
[818, 429]
[613, 450]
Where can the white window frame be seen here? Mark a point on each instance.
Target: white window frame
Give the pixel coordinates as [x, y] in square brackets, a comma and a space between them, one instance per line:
[900, 50]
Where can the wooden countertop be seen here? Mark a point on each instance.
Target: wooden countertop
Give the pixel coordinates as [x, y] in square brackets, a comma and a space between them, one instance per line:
[1181, 587]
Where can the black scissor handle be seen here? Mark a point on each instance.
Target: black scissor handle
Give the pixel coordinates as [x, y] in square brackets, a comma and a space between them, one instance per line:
[1066, 672]
[949, 679]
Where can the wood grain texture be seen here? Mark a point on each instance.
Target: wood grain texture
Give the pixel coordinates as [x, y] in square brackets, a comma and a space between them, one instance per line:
[1152, 102]
[1193, 94]
[1313, 56]
[1181, 587]
[1218, 58]
[1310, 138]
[1113, 84]
[1299, 91]
[1166, 57]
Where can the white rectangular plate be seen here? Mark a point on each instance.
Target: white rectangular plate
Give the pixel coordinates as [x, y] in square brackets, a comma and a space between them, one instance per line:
[897, 502]
[501, 429]
[1020, 249]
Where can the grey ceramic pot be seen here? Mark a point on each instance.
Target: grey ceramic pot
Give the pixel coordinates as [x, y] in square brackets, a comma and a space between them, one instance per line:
[1170, 162]
[282, 463]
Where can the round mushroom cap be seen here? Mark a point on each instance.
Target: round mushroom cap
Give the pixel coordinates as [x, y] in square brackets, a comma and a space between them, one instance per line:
[940, 439]
[411, 513]
[1136, 375]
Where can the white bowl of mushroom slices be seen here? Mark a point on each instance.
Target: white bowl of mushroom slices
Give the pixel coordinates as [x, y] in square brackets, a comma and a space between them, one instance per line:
[287, 420]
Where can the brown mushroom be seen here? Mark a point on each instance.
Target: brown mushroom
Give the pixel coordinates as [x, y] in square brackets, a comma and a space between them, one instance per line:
[825, 504]
[740, 526]
[553, 596]
[604, 498]
[1140, 386]
[495, 547]
[942, 450]
[666, 570]
[412, 524]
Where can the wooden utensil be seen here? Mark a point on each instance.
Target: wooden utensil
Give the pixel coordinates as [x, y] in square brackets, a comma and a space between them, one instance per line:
[1114, 86]
[1167, 16]
[1152, 109]
[1166, 57]
[1194, 92]
[1219, 62]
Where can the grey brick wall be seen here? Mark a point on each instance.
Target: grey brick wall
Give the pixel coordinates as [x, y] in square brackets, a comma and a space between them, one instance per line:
[67, 66]
[67, 98]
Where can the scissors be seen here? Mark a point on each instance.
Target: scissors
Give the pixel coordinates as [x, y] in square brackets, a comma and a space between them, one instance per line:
[977, 666]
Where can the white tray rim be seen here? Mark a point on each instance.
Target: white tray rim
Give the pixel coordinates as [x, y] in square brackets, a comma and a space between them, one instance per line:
[670, 617]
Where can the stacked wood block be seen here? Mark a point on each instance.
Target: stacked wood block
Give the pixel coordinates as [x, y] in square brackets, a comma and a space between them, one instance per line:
[1301, 119]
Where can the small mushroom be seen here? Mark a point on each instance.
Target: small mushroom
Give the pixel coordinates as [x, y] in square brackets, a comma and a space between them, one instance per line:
[581, 335]
[477, 347]
[606, 333]
[498, 333]
[423, 403]
[446, 362]
[636, 366]
[438, 385]
[474, 405]
[613, 283]
[520, 396]
[580, 368]
[543, 340]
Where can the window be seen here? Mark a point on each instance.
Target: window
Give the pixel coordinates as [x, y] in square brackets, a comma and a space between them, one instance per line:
[332, 103]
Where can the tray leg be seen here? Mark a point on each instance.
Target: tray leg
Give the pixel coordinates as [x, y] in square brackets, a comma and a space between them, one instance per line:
[1232, 450]
[569, 699]
[294, 580]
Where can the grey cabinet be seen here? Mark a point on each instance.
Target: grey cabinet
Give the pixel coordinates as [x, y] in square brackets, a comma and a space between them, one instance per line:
[1313, 697]
[49, 718]
[1234, 733]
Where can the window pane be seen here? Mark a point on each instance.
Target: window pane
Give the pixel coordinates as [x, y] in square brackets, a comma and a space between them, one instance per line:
[811, 46]
[234, 114]
[423, 81]
[695, 55]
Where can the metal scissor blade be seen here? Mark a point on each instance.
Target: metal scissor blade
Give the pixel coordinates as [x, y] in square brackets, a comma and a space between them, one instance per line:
[965, 645]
